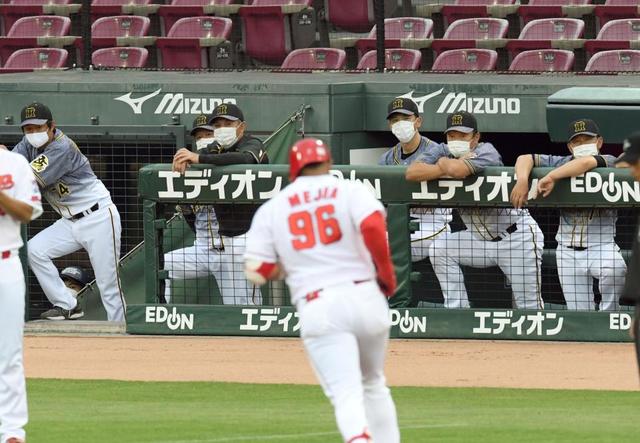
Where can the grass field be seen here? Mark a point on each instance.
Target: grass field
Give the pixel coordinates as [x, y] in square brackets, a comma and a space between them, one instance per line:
[115, 412]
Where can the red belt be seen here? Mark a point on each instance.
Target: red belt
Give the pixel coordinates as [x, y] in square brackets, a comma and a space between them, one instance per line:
[5, 255]
[315, 294]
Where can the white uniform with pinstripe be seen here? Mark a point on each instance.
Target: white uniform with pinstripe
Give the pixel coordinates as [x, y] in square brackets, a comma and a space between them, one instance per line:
[587, 250]
[89, 220]
[508, 238]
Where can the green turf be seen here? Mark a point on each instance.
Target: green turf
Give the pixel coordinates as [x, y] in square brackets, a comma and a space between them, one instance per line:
[117, 412]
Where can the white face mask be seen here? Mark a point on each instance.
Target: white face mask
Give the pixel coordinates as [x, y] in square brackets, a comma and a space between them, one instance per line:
[403, 130]
[204, 142]
[585, 150]
[225, 136]
[458, 148]
[38, 139]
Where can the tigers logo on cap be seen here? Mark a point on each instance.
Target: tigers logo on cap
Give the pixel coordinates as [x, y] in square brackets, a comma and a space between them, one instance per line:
[456, 120]
[398, 103]
[579, 126]
[222, 109]
[30, 112]
[201, 120]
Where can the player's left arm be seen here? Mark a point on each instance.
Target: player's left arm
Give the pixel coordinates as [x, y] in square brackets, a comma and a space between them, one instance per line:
[27, 204]
[573, 168]
[425, 168]
[472, 163]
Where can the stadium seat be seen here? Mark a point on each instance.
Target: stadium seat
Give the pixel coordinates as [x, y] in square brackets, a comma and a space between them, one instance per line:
[41, 30]
[465, 33]
[616, 9]
[37, 58]
[170, 14]
[538, 9]
[107, 8]
[121, 30]
[190, 41]
[466, 60]
[543, 60]
[615, 34]
[315, 59]
[354, 15]
[465, 9]
[614, 61]
[408, 29]
[119, 57]
[396, 58]
[549, 33]
[13, 10]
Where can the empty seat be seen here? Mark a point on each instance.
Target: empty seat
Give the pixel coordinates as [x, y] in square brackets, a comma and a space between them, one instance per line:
[40, 26]
[616, 9]
[463, 9]
[355, 15]
[543, 60]
[315, 59]
[547, 33]
[466, 33]
[120, 57]
[396, 58]
[37, 58]
[614, 61]
[13, 10]
[537, 9]
[466, 60]
[187, 44]
[170, 14]
[106, 8]
[396, 30]
[615, 34]
[120, 26]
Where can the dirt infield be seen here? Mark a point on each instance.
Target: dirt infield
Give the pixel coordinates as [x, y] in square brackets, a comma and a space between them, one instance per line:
[410, 363]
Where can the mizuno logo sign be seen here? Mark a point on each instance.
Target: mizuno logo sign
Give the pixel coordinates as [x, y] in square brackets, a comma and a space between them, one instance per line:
[461, 101]
[171, 103]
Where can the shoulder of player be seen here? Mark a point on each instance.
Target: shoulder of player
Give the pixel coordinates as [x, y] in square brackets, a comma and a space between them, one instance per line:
[249, 142]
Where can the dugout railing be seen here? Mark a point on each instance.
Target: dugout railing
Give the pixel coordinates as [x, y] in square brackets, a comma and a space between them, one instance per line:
[196, 306]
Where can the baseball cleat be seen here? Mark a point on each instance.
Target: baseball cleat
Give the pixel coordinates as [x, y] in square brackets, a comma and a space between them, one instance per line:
[57, 313]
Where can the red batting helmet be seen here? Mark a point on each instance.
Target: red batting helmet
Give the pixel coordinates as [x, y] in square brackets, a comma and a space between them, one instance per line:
[306, 152]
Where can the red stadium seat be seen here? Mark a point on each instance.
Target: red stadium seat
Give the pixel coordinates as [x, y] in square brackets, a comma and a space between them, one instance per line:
[120, 57]
[188, 42]
[614, 61]
[466, 60]
[30, 32]
[465, 33]
[120, 26]
[170, 14]
[398, 59]
[396, 30]
[315, 59]
[546, 33]
[13, 10]
[617, 9]
[107, 8]
[538, 9]
[543, 60]
[615, 34]
[37, 58]
[267, 31]
[354, 15]
[463, 9]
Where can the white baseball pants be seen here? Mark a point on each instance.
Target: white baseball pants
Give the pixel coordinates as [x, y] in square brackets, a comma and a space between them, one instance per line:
[519, 256]
[227, 266]
[422, 239]
[13, 394]
[577, 269]
[99, 234]
[345, 331]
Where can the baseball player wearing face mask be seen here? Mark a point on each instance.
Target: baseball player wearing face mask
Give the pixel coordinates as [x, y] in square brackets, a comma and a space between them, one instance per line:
[19, 203]
[508, 238]
[330, 238]
[220, 228]
[89, 219]
[404, 121]
[586, 245]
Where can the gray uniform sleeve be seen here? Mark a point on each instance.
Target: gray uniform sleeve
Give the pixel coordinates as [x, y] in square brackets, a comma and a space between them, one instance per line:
[432, 155]
[55, 161]
[552, 161]
[485, 155]
[384, 158]
[22, 149]
[610, 160]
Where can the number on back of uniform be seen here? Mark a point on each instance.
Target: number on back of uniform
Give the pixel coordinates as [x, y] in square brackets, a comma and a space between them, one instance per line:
[304, 225]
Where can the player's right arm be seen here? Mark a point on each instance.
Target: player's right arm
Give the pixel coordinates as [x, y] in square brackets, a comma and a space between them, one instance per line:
[520, 192]
[425, 167]
[260, 257]
[26, 205]
[573, 168]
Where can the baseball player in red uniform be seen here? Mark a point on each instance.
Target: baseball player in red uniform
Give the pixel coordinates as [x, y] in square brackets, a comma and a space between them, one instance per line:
[19, 203]
[328, 238]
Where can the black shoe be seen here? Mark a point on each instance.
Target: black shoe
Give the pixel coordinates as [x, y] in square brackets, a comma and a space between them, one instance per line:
[58, 313]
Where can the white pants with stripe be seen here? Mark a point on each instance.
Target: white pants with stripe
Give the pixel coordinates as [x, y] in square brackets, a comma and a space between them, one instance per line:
[345, 331]
[422, 239]
[13, 394]
[99, 234]
[577, 269]
[519, 256]
[227, 266]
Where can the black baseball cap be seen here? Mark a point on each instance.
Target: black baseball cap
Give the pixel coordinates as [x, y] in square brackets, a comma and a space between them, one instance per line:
[583, 126]
[404, 106]
[227, 111]
[631, 149]
[35, 114]
[201, 122]
[462, 121]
